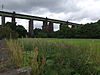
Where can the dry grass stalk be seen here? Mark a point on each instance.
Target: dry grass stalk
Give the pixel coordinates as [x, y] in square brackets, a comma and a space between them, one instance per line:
[15, 52]
[34, 61]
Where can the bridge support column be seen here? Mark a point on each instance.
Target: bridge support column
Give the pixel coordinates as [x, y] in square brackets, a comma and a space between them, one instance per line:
[13, 18]
[50, 26]
[45, 25]
[3, 20]
[60, 27]
[31, 32]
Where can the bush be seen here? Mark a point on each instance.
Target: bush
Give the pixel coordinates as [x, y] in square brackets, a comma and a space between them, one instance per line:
[14, 30]
[6, 32]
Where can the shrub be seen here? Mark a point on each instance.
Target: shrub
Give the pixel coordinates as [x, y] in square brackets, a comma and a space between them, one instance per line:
[6, 32]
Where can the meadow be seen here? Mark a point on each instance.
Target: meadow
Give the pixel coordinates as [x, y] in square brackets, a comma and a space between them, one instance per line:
[53, 56]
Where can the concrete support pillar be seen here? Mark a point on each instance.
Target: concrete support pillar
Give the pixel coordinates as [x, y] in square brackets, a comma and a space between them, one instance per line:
[13, 17]
[50, 26]
[45, 23]
[60, 27]
[3, 20]
[45, 26]
[31, 32]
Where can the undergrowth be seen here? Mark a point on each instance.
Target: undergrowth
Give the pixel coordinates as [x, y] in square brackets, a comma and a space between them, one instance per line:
[56, 57]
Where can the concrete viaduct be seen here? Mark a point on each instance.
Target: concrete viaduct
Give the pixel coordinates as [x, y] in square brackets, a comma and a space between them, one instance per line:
[47, 22]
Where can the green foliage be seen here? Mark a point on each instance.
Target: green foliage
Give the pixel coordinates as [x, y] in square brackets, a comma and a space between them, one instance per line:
[11, 25]
[64, 58]
[12, 30]
[91, 30]
[16, 53]
[21, 31]
[6, 32]
[39, 33]
[65, 33]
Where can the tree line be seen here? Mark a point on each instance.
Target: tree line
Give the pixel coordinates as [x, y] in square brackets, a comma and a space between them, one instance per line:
[89, 30]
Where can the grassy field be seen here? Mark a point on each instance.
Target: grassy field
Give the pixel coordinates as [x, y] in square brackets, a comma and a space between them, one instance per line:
[57, 56]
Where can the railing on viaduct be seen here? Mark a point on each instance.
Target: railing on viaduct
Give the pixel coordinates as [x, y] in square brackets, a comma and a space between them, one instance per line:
[45, 21]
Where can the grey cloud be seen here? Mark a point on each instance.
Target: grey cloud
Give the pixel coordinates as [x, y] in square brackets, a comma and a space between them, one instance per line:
[51, 5]
[69, 7]
[27, 5]
[93, 15]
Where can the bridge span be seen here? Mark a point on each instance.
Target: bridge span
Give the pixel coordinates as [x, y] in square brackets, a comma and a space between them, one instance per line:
[31, 18]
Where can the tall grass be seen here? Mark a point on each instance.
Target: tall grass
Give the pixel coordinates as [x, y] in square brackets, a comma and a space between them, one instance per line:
[16, 53]
[50, 57]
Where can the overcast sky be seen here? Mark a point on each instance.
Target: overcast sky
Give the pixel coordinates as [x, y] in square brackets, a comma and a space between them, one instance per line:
[79, 11]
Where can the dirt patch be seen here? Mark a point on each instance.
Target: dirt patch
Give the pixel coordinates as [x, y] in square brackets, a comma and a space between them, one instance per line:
[20, 71]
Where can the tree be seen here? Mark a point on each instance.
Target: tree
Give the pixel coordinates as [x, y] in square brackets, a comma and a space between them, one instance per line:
[39, 33]
[6, 32]
[21, 31]
[65, 32]
[11, 25]
[89, 31]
